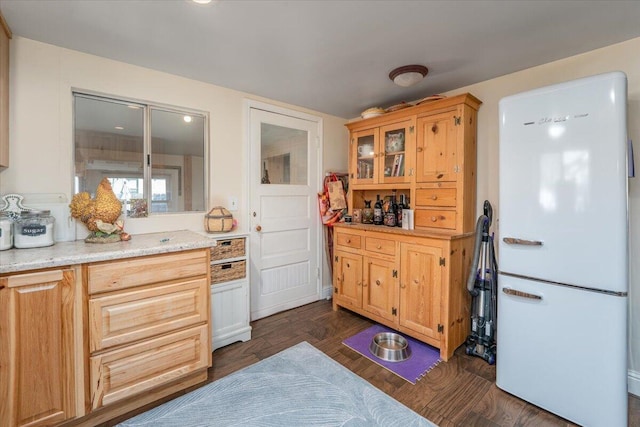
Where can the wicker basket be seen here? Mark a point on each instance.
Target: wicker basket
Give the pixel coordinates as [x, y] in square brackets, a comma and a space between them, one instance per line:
[226, 249]
[218, 219]
[228, 271]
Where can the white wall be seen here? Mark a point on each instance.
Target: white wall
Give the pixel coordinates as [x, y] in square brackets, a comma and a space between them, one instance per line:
[623, 57]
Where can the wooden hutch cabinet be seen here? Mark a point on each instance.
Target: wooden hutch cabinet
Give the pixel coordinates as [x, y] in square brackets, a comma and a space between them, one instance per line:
[412, 280]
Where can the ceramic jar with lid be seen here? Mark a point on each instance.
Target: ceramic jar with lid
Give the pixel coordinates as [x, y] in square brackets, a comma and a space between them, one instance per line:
[33, 229]
[6, 231]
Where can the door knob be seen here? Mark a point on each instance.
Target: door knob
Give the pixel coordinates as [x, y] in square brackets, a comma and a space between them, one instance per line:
[258, 228]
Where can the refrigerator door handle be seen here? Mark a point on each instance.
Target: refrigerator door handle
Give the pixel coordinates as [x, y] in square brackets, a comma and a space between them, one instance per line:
[515, 241]
[522, 294]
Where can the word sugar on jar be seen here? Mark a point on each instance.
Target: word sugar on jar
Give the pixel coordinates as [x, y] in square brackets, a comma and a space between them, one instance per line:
[33, 229]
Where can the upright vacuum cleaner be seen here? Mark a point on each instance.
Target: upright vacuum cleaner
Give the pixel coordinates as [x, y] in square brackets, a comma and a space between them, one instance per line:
[483, 287]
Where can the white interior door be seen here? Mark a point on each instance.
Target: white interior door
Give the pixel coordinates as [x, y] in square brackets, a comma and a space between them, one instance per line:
[285, 226]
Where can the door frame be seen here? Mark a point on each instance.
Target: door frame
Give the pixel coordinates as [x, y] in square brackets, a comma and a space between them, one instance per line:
[315, 183]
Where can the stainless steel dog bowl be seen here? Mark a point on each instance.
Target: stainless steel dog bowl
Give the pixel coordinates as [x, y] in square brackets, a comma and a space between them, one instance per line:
[390, 347]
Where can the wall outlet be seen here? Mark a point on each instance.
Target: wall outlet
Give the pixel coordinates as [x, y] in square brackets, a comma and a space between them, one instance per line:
[233, 203]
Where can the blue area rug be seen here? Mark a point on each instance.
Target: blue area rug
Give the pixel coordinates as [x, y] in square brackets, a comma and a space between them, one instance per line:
[423, 356]
[299, 386]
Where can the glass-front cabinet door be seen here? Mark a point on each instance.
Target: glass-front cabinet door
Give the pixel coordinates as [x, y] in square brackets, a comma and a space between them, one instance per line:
[364, 156]
[396, 141]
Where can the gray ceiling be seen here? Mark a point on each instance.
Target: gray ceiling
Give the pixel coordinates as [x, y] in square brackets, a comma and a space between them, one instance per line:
[329, 56]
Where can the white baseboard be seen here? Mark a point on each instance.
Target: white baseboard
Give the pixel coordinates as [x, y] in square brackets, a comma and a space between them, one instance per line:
[634, 382]
[327, 292]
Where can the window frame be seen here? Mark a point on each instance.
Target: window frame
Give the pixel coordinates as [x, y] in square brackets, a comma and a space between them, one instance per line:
[147, 164]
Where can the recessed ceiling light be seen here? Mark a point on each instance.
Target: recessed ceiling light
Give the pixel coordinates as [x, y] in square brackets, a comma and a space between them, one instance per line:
[187, 119]
[119, 128]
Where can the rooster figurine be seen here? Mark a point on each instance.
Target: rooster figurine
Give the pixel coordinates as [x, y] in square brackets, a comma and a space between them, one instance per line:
[98, 213]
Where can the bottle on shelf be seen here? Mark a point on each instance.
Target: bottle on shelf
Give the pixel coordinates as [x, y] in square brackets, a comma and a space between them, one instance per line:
[377, 212]
[399, 209]
[390, 217]
[367, 213]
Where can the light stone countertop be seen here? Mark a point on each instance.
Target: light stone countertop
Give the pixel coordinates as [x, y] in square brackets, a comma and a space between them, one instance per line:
[79, 252]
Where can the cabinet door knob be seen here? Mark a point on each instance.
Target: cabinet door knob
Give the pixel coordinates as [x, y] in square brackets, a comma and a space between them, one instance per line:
[434, 218]
[419, 149]
[378, 282]
[434, 128]
[402, 286]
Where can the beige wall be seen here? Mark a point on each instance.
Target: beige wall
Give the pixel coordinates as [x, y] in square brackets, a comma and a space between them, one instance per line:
[42, 77]
[41, 80]
[623, 57]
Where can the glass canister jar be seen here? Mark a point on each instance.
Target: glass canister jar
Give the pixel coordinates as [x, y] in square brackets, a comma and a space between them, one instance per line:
[6, 231]
[33, 229]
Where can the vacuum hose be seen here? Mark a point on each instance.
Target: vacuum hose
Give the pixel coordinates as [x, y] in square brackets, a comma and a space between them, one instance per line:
[482, 219]
[482, 235]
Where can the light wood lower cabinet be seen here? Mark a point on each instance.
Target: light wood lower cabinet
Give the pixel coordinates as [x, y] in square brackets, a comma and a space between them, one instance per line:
[149, 324]
[38, 363]
[120, 374]
[412, 282]
[420, 289]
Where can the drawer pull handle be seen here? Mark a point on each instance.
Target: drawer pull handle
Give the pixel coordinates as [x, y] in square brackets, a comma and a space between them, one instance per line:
[225, 243]
[226, 266]
[379, 247]
[434, 219]
[434, 197]
[348, 240]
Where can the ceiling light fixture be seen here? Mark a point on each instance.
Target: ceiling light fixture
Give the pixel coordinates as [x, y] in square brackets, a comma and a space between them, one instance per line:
[187, 119]
[408, 75]
[119, 127]
[202, 1]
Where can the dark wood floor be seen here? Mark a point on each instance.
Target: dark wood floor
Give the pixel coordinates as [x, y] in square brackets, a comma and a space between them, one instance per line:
[460, 392]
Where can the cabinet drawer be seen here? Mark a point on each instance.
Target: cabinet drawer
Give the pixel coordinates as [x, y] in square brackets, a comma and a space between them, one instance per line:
[129, 316]
[120, 374]
[435, 218]
[115, 275]
[382, 246]
[349, 240]
[436, 197]
[226, 249]
[228, 271]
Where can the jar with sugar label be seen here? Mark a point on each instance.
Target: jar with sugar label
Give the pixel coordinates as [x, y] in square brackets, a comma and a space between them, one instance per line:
[6, 231]
[33, 229]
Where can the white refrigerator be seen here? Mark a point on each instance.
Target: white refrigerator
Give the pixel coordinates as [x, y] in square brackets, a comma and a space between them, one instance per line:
[563, 249]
